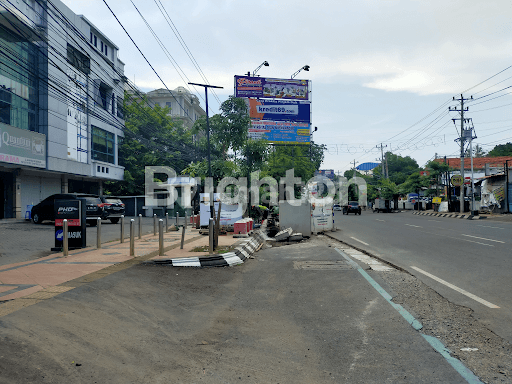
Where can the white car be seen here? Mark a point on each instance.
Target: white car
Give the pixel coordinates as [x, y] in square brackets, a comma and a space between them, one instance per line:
[336, 207]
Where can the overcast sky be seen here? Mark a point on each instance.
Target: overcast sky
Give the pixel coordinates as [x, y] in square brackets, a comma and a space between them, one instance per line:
[377, 67]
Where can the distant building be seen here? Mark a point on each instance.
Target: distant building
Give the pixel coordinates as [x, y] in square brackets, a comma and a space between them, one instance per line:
[61, 94]
[184, 105]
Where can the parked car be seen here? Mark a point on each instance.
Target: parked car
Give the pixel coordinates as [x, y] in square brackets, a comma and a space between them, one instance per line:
[336, 207]
[45, 209]
[113, 208]
[352, 206]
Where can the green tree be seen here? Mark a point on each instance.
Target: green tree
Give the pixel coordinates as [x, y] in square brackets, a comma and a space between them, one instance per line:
[477, 152]
[414, 184]
[152, 137]
[399, 168]
[501, 150]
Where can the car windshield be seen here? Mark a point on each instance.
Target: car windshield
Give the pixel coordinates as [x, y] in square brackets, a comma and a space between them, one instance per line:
[354, 204]
[92, 200]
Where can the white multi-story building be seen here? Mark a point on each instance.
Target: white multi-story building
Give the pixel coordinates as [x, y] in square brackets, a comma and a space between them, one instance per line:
[183, 105]
[61, 104]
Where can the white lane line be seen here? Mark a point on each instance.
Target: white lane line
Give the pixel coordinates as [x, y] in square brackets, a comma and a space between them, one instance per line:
[488, 226]
[483, 238]
[476, 242]
[410, 225]
[460, 290]
[380, 220]
[359, 240]
[437, 221]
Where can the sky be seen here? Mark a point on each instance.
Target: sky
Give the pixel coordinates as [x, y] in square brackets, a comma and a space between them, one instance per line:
[382, 71]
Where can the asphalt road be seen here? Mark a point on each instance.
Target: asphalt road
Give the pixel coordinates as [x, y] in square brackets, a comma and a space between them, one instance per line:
[23, 241]
[471, 255]
[266, 321]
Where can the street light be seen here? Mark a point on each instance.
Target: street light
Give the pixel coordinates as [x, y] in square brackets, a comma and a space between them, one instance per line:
[306, 68]
[265, 63]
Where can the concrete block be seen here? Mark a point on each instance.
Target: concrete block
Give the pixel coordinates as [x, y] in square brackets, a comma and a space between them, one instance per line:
[295, 237]
[283, 235]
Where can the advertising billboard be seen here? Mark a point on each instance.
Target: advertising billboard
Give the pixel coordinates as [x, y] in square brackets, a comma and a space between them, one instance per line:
[329, 173]
[279, 110]
[286, 89]
[22, 147]
[280, 132]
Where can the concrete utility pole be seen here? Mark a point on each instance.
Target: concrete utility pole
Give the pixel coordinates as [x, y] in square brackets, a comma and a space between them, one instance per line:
[355, 167]
[382, 160]
[462, 139]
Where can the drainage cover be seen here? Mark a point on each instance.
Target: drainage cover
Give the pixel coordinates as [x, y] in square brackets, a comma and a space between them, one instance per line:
[322, 265]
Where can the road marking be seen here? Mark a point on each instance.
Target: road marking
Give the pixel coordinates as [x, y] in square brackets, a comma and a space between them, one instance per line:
[460, 290]
[433, 341]
[359, 240]
[380, 220]
[476, 242]
[437, 221]
[488, 226]
[483, 238]
[410, 225]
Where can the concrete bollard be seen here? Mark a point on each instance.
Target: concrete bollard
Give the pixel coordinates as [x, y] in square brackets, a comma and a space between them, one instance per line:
[132, 237]
[122, 228]
[154, 224]
[65, 243]
[160, 237]
[166, 221]
[140, 226]
[98, 233]
[210, 235]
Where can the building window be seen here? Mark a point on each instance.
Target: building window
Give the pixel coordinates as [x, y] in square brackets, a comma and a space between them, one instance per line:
[120, 109]
[78, 60]
[120, 152]
[91, 38]
[103, 145]
[101, 46]
[106, 50]
[113, 104]
[95, 41]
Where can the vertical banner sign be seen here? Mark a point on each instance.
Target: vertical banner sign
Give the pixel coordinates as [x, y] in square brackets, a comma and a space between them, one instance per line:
[75, 213]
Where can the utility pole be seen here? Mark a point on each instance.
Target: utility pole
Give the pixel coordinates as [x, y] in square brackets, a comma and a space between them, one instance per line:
[382, 160]
[462, 140]
[355, 167]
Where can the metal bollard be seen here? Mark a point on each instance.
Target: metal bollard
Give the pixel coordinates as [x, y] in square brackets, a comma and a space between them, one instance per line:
[182, 237]
[98, 233]
[177, 219]
[140, 226]
[122, 228]
[132, 237]
[65, 246]
[166, 221]
[160, 237]
[154, 224]
[185, 225]
[210, 235]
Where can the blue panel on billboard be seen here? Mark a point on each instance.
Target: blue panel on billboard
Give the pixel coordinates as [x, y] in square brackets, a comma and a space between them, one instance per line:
[280, 132]
[367, 166]
[279, 110]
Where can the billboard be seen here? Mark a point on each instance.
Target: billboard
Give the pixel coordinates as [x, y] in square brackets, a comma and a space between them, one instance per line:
[22, 147]
[279, 110]
[329, 173]
[280, 132]
[289, 89]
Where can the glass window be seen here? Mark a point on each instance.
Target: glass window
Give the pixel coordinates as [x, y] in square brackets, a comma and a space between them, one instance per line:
[78, 60]
[102, 145]
[95, 41]
[106, 50]
[102, 46]
[120, 110]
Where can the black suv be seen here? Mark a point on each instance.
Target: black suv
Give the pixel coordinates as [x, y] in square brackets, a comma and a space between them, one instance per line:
[45, 210]
[113, 207]
[352, 206]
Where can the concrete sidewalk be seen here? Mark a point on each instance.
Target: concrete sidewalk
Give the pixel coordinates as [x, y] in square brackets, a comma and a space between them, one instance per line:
[32, 281]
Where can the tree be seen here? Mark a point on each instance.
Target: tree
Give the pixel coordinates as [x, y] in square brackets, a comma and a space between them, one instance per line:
[399, 168]
[152, 137]
[501, 150]
[414, 184]
[477, 152]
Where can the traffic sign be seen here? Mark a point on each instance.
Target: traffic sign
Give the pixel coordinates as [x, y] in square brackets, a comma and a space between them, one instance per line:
[436, 200]
[456, 180]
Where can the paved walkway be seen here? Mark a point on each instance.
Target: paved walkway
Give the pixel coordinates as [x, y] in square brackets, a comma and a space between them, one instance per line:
[48, 276]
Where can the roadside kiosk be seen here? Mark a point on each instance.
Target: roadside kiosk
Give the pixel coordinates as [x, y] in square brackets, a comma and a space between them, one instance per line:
[74, 211]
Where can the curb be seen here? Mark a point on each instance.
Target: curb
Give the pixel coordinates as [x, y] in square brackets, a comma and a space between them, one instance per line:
[453, 215]
[241, 253]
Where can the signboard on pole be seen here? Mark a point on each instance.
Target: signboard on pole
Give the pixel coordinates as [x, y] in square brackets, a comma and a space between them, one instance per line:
[456, 180]
[279, 110]
[22, 147]
[280, 132]
[74, 211]
[229, 214]
[289, 89]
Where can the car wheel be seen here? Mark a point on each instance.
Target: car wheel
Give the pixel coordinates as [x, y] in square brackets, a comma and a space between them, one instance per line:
[36, 218]
[114, 221]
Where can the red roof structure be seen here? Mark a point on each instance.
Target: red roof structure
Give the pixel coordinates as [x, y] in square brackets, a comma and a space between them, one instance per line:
[478, 162]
